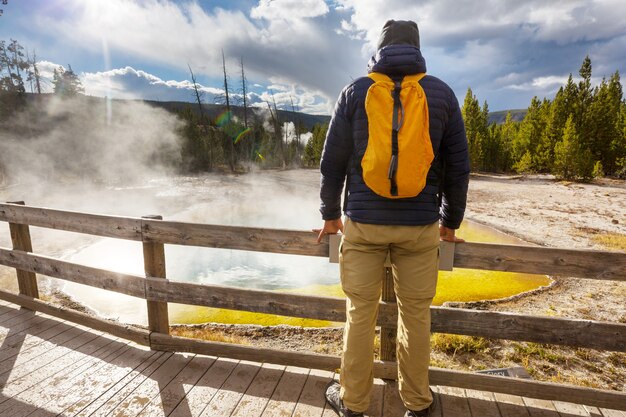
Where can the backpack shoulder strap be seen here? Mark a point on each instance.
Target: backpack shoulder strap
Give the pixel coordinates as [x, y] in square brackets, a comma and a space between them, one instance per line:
[414, 77]
[379, 77]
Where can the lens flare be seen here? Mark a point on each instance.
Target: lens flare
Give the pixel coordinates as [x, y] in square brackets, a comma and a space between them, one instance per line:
[223, 118]
[261, 157]
[242, 134]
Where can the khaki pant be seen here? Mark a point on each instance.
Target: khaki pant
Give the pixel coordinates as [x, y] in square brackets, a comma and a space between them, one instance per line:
[414, 254]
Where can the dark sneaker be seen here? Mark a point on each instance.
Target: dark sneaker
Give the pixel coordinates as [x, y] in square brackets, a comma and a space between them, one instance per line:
[334, 400]
[426, 412]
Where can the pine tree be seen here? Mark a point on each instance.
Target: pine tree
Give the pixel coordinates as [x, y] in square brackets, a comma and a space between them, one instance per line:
[565, 152]
[314, 147]
[475, 128]
[66, 82]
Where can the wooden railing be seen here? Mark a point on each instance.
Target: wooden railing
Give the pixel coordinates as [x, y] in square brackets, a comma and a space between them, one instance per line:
[158, 291]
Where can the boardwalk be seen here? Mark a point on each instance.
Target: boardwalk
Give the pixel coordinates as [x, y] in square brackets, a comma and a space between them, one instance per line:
[49, 367]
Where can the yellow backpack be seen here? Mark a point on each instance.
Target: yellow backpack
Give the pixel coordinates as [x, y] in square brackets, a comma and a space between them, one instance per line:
[399, 151]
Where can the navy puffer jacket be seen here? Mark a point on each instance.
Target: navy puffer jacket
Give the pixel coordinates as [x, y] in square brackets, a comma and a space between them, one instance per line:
[346, 142]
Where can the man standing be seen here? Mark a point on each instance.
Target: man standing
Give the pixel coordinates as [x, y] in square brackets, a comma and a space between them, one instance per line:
[378, 225]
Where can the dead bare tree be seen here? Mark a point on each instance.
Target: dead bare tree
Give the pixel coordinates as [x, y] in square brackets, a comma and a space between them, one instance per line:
[244, 93]
[231, 146]
[198, 95]
[296, 124]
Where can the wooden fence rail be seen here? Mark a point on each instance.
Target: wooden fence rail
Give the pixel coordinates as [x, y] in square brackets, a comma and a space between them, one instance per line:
[158, 291]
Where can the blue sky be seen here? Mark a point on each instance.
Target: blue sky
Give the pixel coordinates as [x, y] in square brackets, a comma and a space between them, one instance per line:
[306, 50]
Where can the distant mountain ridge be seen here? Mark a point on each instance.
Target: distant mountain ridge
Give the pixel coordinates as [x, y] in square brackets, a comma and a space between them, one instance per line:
[212, 111]
[498, 117]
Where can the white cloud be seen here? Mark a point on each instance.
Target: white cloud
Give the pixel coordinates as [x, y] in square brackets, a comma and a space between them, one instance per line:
[129, 83]
[289, 9]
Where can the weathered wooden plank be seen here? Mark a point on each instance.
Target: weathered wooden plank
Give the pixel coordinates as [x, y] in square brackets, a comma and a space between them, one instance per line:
[259, 391]
[93, 224]
[30, 358]
[151, 387]
[540, 408]
[133, 333]
[59, 360]
[482, 404]
[453, 402]
[233, 237]
[287, 393]
[154, 265]
[579, 263]
[593, 411]
[612, 413]
[570, 410]
[20, 236]
[312, 401]
[376, 401]
[511, 405]
[20, 343]
[98, 384]
[205, 389]
[111, 398]
[250, 353]
[528, 388]
[510, 326]
[226, 399]
[392, 403]
[499, 325]
[65, 387]
[388, 333]
[174, 394]
[261, 301]
[68, 271]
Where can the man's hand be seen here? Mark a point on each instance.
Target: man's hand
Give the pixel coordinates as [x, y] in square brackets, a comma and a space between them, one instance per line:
[331, 227]
[447, 234]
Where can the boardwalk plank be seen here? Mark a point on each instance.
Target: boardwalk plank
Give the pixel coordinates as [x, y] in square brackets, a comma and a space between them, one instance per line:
[311, 402]
[593, 411]
[33, 358]
[287, 393]
[453, 402]
[18, 323]
[511, 405]
[205, 389]
[376, 402]
[48, 363]
[540, 408]
[151, 387]
[95, 384]
[66, 362]
[482, 404]
[21, 342]
[612, 413]
[570, 410]
[176, 391]
[119, 391]
[13, 313]
[392, 403]
[260, 390]
[51, 392]
[226, 399]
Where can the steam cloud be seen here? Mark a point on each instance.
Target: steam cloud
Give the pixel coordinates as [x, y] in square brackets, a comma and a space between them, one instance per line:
[61, 141]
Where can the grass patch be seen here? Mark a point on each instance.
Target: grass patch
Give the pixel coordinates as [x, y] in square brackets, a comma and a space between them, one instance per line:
[210, 335]
[453, 344]
[609, 240]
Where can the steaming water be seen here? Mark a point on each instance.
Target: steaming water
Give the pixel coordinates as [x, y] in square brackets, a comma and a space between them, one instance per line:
[267, 199]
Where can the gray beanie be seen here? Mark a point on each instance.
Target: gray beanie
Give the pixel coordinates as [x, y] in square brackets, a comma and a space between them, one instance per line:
[399, 32]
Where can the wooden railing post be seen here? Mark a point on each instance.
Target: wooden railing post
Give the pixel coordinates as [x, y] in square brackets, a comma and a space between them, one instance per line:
[154, 265]
[20, 236]
[388, 334]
